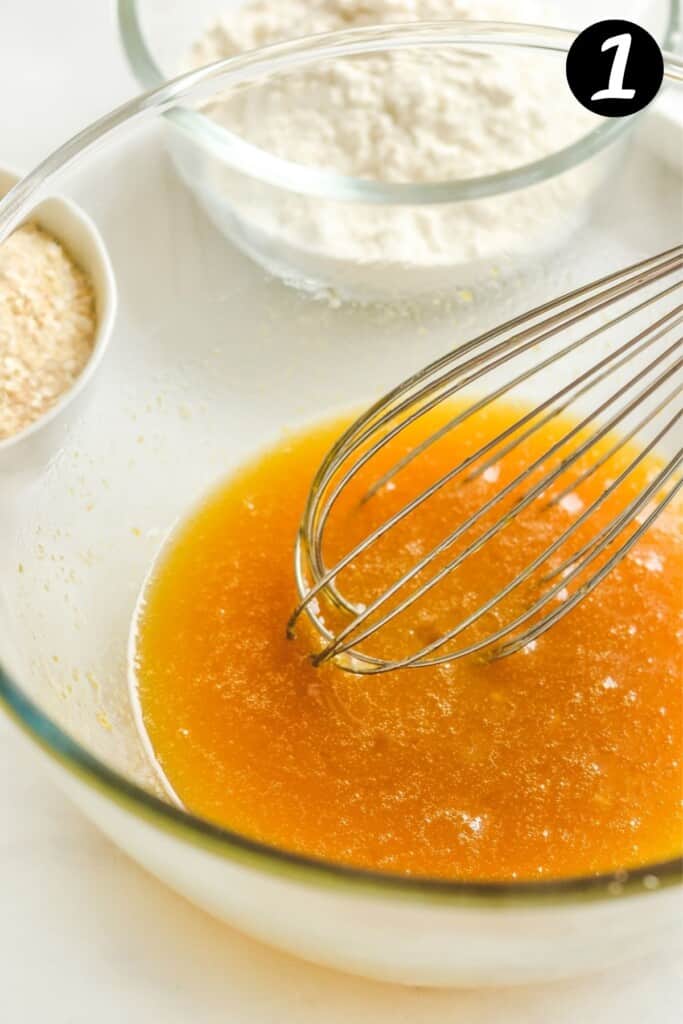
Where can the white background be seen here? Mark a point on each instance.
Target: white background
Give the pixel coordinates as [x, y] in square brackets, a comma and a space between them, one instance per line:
[85, 936]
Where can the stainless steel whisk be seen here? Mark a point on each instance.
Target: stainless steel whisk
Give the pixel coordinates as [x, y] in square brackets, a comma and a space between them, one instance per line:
[575, 347]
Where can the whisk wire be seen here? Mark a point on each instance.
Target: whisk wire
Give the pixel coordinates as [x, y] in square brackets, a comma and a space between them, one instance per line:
[355, 437]
[340, 647]
[509, 385]
[604, 571]
[442, 380]
[327, 576]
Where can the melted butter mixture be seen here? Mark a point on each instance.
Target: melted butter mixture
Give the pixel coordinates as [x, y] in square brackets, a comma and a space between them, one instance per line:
[560, 760]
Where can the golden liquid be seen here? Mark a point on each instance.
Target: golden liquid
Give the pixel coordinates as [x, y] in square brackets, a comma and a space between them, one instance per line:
[560, 760]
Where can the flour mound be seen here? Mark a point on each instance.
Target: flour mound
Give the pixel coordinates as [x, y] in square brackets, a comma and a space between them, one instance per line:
[406, 116]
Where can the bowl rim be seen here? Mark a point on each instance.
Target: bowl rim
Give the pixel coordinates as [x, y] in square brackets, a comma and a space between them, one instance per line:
[112, 785]
[288, 175]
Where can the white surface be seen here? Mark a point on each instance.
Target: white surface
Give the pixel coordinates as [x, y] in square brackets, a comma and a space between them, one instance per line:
[86, 936]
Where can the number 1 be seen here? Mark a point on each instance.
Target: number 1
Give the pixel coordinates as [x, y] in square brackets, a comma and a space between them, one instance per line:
[615, 86]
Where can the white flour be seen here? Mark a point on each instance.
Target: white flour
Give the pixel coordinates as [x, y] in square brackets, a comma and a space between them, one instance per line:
[401, 117]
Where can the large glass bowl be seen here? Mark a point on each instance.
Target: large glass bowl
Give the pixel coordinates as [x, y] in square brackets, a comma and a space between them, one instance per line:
[351, 238]
[210, 359]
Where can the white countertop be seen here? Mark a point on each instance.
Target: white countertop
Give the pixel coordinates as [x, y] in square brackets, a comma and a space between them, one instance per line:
[85, 935]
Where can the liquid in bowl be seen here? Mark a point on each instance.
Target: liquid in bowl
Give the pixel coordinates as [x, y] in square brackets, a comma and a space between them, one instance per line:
[559, 761]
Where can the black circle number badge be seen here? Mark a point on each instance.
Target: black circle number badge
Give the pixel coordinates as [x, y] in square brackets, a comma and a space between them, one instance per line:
[614, 68]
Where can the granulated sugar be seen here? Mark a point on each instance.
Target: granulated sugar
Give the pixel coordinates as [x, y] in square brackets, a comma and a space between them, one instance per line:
[47, 326]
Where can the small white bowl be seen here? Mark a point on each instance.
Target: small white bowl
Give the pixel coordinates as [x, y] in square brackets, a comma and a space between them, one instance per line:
[26, 454]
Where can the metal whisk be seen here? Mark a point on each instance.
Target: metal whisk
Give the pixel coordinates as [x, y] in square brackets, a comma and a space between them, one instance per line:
[608, 354]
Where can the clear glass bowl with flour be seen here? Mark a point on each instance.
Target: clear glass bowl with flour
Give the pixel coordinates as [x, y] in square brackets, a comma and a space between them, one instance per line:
[428, 160]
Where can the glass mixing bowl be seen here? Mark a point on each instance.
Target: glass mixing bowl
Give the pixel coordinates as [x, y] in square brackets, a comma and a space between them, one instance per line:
[209, 360]
[351, 238]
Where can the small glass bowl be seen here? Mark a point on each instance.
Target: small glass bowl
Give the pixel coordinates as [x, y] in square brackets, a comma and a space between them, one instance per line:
[354, 238]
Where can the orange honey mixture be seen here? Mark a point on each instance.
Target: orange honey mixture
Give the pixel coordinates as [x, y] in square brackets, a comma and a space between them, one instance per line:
[560, 760]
